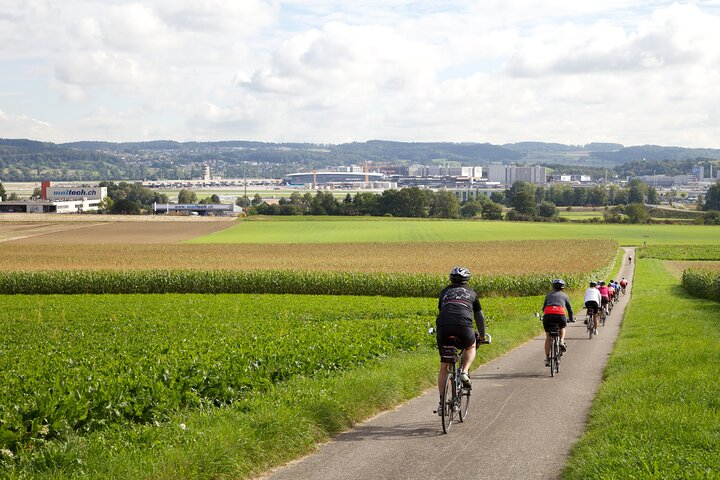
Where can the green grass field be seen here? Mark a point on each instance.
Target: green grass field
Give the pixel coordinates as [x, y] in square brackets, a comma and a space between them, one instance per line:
[352, 229]
[657, 415]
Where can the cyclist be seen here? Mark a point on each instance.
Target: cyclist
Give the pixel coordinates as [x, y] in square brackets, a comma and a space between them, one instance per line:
[556, 312]
[592, 302]
[605, 297]
[613, 291]
[623, 284]
[459, 305]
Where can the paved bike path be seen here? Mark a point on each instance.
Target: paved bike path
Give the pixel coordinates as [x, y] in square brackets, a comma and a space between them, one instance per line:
[522, 422]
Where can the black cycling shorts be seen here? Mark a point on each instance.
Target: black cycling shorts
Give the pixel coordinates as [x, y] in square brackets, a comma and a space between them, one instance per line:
[554, 322]
[592, 306]
[465, 335]
[605, 301]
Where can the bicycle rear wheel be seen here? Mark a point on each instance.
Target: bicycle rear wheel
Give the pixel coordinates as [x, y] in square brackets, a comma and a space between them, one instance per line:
[590, 328]
[448, 412]
[463, 403]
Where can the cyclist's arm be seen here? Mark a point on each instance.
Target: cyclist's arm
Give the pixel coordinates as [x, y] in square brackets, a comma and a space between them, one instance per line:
[569, 308]
[480, 322]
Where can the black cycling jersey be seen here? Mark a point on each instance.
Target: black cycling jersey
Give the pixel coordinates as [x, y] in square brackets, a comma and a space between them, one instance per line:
[460, 305]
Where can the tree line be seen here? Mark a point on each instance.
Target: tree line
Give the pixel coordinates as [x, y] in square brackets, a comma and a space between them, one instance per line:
[523, 201]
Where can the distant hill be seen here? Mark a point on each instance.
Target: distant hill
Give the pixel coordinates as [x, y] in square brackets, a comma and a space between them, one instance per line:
[28, 160]
[655, 152]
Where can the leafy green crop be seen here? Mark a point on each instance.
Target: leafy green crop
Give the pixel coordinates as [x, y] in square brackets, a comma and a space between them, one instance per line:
[81, 363]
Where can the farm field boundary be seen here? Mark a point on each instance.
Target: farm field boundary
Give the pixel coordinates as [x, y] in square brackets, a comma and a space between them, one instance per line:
[360, 229]
[656, 414]
[131, 359]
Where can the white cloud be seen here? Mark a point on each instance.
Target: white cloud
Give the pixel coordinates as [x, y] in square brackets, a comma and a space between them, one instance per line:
[676, 36]
[21, 126]
[328, 71]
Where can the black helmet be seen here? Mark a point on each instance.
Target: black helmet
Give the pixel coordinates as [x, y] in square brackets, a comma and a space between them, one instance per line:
[558, 284]
[460, 275]
[593, 283]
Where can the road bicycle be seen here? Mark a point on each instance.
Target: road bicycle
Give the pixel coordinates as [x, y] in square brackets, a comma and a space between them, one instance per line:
[590, 323]
[555, 352]
[455, 396]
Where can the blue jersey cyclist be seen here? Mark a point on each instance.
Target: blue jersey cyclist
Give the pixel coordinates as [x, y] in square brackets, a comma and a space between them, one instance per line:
[459, 306]
[556, 313]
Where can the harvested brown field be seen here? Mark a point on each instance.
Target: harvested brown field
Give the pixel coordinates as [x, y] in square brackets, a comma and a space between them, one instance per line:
[155, 229]
[511, 257]
[677, 267]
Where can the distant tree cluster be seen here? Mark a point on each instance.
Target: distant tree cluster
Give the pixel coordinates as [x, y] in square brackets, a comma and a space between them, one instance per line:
[406, 202]
[129, 198]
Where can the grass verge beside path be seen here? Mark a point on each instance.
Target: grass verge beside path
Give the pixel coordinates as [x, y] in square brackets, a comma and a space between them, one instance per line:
[657, 415]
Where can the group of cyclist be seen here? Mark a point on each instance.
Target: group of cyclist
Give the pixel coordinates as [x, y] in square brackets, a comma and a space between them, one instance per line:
[459, 308]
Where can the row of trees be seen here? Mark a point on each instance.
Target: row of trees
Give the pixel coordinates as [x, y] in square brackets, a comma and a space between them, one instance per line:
[406, 202]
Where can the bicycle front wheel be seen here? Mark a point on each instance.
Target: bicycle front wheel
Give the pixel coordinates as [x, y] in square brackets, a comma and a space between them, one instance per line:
[448, 412]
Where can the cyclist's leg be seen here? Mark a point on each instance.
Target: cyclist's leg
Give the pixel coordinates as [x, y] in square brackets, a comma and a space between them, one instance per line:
[468, 357]
[548, 344]
[548, 325]
[442, 376]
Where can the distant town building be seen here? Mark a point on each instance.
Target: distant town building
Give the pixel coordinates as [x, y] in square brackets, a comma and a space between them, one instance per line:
[509, 174]
[330, 179]
[667, 181]
[473, 172]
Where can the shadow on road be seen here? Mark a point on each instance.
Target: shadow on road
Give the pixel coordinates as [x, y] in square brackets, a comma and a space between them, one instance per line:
[408, 431]
[505, 376]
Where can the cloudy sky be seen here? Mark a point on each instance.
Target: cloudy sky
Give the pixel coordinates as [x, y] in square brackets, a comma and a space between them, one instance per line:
[336, 71]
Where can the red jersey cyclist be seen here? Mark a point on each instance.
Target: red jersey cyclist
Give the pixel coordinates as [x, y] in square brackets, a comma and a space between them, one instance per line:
[556, 312]
[623, 284]
[605, 296]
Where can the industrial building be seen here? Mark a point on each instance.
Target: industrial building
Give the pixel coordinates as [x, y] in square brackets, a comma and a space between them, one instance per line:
[198, 209]
[352, 179]
[509, 174]
[58, 199]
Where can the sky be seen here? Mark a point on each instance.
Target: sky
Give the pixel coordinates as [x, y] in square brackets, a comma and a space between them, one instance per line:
[335, 71]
